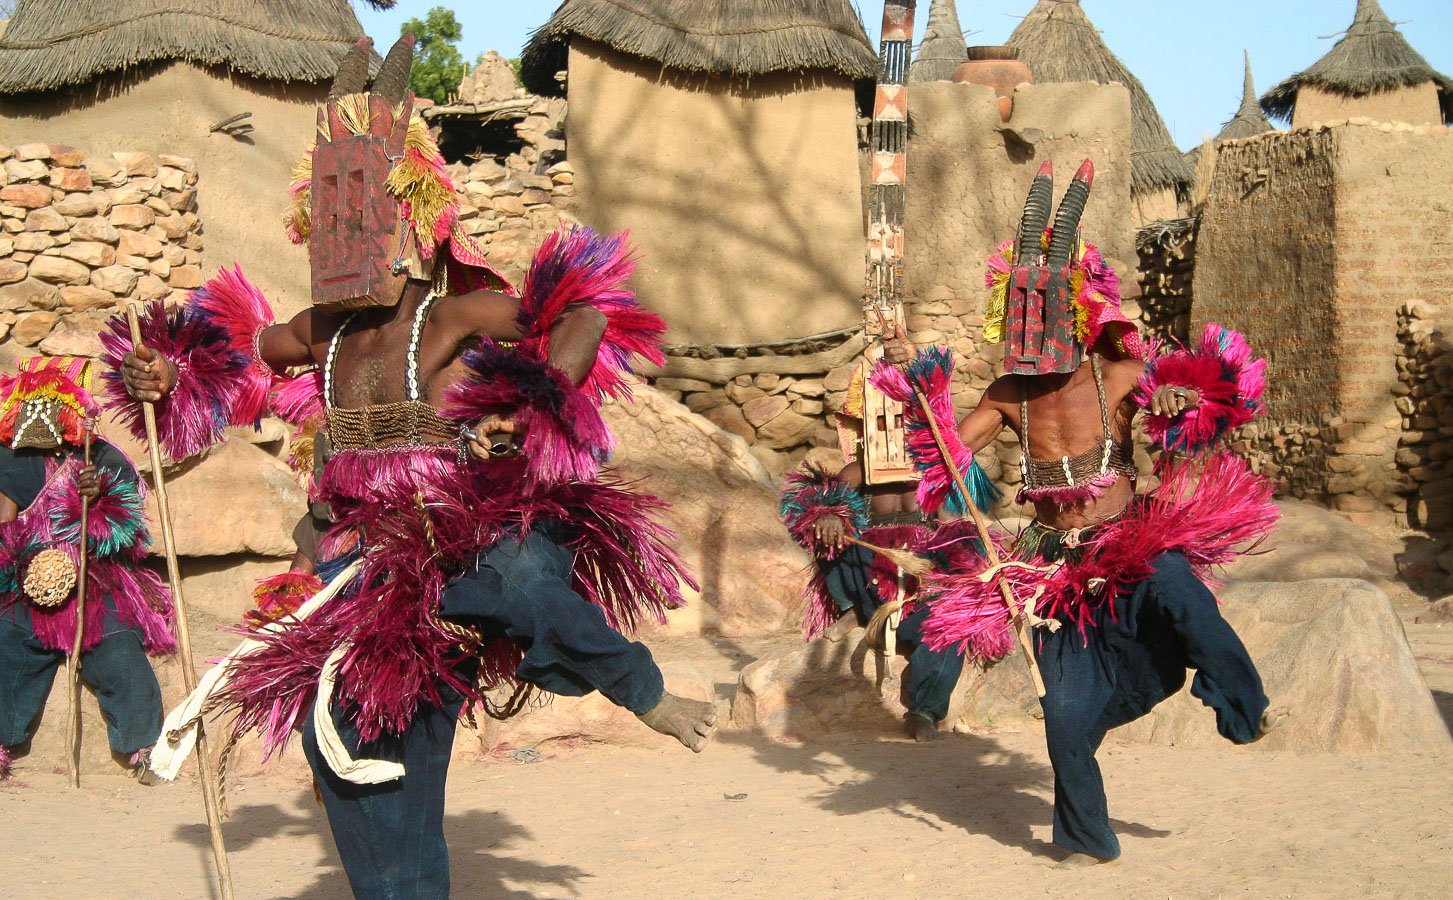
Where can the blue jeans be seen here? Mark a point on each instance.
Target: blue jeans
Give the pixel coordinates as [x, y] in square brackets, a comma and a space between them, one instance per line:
[391, 836]
[1118, 670]
[116, 668]
[932, 674]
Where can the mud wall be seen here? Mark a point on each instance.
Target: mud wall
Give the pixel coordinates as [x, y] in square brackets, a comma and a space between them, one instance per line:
[743, 196]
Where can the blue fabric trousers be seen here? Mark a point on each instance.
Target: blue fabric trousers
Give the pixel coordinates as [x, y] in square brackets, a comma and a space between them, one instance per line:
[1118, 669]
[116, 668]
[391, 836]
[932, 674]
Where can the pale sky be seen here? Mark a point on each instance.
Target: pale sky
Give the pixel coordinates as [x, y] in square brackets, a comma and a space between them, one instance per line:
[1187, 52]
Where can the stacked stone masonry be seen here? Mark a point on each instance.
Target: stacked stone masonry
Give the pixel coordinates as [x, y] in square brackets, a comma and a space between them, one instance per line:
[83, 236]
[1167, 252]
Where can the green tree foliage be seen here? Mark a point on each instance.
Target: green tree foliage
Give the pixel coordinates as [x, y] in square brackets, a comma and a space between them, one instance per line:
[437, 63]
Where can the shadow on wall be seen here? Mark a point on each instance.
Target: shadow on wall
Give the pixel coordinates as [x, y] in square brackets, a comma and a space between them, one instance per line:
[743, 195]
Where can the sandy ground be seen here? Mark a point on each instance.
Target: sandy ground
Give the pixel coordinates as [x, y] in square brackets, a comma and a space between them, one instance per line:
[851, 817]
[869, 818]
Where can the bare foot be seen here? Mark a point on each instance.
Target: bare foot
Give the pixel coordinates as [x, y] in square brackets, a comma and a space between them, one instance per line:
[1273, 717]
[920, 727]
[1081, 861]
[691, 722]
[840, 629]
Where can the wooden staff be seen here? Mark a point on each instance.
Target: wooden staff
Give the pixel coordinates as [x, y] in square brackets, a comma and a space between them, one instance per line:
[73, 665]
[1016, 612]
[210, 793]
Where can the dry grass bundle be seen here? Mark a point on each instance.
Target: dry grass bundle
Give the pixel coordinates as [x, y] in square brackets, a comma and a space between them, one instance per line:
[743, 37]
[1372, 56]
[52, 44]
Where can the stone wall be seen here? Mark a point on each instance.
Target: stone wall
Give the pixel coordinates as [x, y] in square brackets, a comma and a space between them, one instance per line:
[1311, 243]
[84, 235]
[171, 108]
[1167, 252]
[1424, 398]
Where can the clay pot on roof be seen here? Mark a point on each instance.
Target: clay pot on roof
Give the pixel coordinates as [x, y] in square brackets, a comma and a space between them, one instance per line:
[998, 68]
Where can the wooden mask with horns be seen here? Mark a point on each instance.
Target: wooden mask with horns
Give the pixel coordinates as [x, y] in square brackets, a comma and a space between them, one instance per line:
[1039, 320]
[356, 243]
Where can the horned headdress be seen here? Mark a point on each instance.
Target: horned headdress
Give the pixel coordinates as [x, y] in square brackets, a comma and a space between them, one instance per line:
[371, 197]
[1052, 295]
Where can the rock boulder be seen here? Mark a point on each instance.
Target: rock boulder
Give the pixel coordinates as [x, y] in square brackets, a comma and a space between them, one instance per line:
[724, 508]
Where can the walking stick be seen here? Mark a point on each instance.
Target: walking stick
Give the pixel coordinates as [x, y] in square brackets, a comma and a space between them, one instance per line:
[73, 665]
[210, 792]
[1016, 613]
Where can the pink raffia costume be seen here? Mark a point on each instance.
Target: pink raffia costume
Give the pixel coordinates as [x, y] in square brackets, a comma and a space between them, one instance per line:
[446, 576]
[1129, 595]
[45, 411]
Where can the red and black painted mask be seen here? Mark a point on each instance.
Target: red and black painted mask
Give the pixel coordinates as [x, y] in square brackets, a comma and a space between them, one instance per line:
[1039, 322]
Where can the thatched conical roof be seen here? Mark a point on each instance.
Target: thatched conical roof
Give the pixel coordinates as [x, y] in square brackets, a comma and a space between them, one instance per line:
[740, 37]
[53, 44]
[1249, 120]
[1058, 43]
[943, 45]
[1372, 56]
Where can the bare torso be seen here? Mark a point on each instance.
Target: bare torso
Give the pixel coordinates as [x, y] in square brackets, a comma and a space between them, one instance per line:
[1064, 420]
[372, 363]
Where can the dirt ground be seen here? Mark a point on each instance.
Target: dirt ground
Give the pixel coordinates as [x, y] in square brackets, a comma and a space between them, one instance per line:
[852, 817]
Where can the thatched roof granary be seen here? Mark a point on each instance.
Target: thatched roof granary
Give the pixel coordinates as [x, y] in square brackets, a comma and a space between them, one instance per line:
[1059, 43]
[741, 38]
[1371, 61]
[54, 44]
[943, 45]
[724, 136]
[1249, 120]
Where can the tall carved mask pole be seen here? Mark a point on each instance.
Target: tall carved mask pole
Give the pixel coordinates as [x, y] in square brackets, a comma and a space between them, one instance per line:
[884, 453]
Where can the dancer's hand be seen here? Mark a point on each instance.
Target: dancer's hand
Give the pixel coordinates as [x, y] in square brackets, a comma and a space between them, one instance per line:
[495, 437]
[87, 483]
[830, 531]
[897, 349]
[148, 376]
[1172, 400]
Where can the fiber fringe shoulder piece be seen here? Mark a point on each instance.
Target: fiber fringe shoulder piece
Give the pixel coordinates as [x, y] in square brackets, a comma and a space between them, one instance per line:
[930, 374]
[221, 378]
[1223, 370]
[808, 495]
[235, 304]
[579, 265]
[566, 437]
